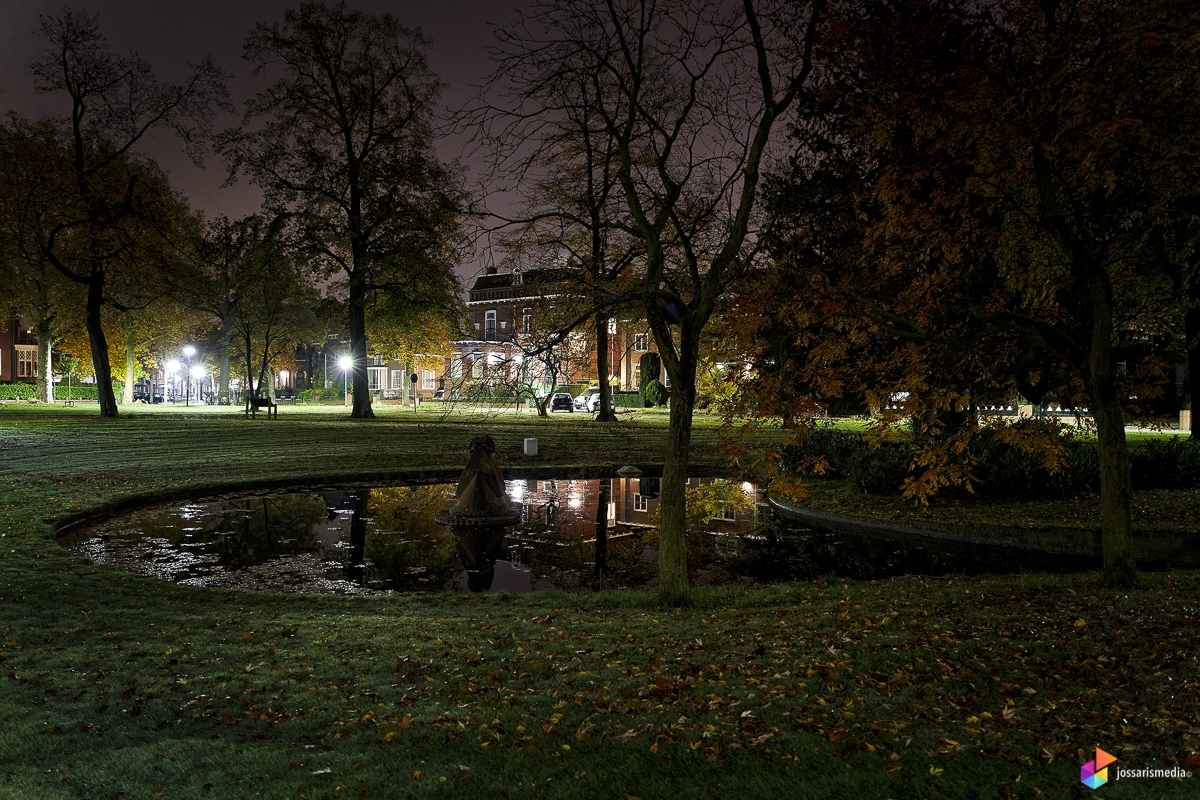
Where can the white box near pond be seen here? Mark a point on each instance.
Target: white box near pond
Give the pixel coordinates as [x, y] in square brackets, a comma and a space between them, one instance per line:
[531, 447]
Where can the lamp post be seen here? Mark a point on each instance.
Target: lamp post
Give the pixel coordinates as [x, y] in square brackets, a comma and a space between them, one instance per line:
[188, 352]
[345, 362]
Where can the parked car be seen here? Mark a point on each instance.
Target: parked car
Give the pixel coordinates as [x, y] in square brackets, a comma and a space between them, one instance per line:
[590, 400]
[561, 401]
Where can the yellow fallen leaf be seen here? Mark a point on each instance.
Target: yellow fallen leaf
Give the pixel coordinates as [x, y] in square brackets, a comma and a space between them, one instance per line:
[935, 770]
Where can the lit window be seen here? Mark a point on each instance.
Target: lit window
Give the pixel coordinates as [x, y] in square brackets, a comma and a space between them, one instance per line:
[26, 362]
[612, 327]
[640, 502]
[527, 322]
[456, 366]
[397, 379]
[489, 324]
[477, 369]
[641, 342]
[429, 379]
[375, 378]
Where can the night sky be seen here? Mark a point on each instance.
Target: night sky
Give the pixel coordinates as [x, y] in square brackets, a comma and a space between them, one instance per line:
[168, 33]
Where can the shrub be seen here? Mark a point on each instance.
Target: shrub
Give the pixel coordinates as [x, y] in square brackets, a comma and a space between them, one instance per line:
[1005, 470]
[649, 368]
[80, 391]
[1166, 463]
[628, 400]
[880, 470]
[17, 391]
[321, 395]
[28, 391]
[836, 446]
[655, 394]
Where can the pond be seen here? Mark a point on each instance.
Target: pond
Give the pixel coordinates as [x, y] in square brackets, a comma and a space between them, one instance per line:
[573, 534]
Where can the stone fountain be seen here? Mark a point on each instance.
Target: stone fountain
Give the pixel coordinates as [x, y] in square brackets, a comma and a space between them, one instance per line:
[479, 514]
[480, 500]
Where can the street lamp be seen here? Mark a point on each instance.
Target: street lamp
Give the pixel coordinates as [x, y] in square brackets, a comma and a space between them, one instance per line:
[188, 352]
[345, 363]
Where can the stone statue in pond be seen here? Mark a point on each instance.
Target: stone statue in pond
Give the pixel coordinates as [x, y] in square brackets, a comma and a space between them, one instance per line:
[481, 499]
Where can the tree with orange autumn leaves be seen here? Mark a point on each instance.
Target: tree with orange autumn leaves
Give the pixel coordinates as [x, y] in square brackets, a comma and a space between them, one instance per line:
[986, 199]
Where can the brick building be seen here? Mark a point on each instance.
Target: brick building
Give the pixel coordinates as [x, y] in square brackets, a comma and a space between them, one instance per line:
[18, 352]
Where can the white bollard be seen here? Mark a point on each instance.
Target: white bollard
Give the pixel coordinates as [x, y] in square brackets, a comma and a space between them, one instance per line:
[531, 447]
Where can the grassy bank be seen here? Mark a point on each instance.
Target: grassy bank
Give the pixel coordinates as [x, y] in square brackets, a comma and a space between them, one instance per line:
[1154, 510]
[117, 686]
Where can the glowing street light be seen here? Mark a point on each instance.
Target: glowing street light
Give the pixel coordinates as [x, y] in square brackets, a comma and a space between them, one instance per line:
[188, 352]
[345, 363]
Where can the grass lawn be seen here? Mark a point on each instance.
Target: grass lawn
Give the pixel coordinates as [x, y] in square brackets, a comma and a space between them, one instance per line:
[117, 686]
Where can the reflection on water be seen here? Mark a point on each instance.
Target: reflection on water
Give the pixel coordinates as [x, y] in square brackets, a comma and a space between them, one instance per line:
[573, 534]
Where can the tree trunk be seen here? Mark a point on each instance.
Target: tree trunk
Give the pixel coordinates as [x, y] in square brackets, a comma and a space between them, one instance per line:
[45, 360]
[99, 346]
[673, 498]
[1116, 489]
[130, 367]
[672, 546]
[1191, 334]
[226, 345]
[358, 351]
[606, 413]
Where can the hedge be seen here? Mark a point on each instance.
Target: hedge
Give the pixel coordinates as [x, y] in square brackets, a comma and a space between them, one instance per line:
[326, 395]
[17, 391]
[29, 391]
[628, 400]
[1003, 470]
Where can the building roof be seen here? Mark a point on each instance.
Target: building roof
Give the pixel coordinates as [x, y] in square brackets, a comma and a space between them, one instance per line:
[504, 280]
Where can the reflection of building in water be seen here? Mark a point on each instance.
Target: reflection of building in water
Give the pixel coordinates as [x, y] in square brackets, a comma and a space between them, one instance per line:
[633, 500]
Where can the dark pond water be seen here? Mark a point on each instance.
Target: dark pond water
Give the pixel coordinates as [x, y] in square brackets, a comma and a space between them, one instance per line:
[573, 534]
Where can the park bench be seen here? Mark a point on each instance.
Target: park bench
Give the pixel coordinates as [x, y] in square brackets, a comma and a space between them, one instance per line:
[257, 403]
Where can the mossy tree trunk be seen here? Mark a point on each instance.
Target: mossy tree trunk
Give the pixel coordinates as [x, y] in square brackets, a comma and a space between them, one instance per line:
[130, 366]
[45, 337]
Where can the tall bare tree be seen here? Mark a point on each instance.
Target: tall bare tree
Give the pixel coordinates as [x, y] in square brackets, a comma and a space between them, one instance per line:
[120, 201]
[32, 204]
[343, 138]
[687, 95]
